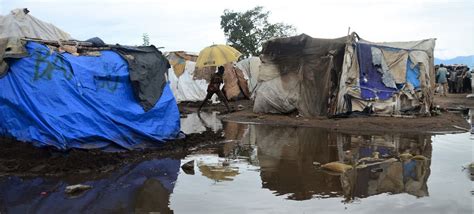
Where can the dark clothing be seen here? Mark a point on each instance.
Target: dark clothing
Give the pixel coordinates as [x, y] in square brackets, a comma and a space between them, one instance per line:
[215, 84]
[214, 87]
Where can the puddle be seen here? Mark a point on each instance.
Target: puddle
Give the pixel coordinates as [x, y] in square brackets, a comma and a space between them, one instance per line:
[265, 169]
[194, 123]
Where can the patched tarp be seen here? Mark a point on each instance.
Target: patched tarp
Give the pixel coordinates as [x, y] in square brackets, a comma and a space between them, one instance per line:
[390, 77]
[147, 72]
[371, 83]
[67, 101]
[299, 73]
[178, 60]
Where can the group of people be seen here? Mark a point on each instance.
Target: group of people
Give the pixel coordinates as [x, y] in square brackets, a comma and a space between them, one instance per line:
[453, 79]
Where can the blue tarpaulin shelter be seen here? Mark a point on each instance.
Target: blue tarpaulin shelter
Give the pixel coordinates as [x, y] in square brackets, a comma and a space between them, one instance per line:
[68, 101]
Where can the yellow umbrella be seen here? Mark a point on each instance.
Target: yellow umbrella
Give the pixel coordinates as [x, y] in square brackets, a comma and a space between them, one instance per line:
[216, 55]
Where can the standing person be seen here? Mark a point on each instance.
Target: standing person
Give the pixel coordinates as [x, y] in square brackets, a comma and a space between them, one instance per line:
[214, 87]
[452, 80]
[467, 81]
[443, 81]
[459, 80]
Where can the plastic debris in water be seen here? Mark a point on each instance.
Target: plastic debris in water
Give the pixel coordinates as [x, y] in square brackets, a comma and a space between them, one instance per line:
[419, 157]
[77, 189]
[336, 167]
[405, 156]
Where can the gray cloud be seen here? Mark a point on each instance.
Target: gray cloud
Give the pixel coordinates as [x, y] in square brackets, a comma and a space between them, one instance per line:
[192, 25]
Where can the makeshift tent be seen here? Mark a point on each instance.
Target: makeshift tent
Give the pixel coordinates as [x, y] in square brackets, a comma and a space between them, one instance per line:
[323, 77]
[299, 73]
[190, 85]
[250, 68]
[185, 87]
[178, 60]
[71, 94]
[235, 84]
[20, 24]
[389, 77]
[58, 99]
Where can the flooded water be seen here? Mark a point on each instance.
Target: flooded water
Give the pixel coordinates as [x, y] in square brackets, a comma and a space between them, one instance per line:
[268, 169]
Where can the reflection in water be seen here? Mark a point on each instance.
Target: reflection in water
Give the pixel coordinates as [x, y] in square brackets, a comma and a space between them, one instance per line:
[217, 171]
[141, 188]
[286, 156]
[257, 163]
[192, 123]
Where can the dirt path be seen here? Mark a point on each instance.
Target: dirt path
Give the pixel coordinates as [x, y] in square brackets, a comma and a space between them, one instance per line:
[446, 122]
[454, 101]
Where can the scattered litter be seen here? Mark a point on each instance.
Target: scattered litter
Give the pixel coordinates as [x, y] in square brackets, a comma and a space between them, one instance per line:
[76, 190]
[316, 164]
[188, 167]
[374, 170]
[419, 157]
[461, 128]
[405, 156]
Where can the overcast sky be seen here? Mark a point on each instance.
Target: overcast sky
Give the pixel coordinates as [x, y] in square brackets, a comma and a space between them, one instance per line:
[191, 25]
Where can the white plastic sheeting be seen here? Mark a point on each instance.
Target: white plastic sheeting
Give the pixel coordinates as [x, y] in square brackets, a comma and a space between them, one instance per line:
[277, 96]
[19, 24]
[185, 88]
[251, 70]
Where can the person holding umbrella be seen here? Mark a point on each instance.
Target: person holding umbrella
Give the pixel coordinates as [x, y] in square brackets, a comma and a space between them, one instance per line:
[216, 55]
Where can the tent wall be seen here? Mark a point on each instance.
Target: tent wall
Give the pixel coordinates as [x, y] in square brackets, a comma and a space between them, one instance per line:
[299, 73]
[395, 78]
[185, 87]
[251, 70]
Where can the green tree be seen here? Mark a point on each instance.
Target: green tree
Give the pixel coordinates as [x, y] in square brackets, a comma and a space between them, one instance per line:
[146, 39]
[246, 31]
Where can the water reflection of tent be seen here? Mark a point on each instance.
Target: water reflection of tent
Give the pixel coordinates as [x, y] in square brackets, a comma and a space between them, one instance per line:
[145, 187]
[218, 172]
[286, 157]
[73, 94]
[329, 76]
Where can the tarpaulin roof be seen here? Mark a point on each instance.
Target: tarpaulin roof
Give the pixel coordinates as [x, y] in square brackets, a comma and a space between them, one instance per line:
[21, 24]
[68, 101]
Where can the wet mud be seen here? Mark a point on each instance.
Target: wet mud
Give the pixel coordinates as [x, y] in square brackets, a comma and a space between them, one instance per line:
[23, 159]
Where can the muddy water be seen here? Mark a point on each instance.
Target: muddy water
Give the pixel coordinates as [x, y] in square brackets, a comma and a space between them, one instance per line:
[265, 169]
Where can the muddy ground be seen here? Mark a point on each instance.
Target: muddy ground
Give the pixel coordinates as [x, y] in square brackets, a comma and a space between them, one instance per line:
[22, 159]
[452, 118]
